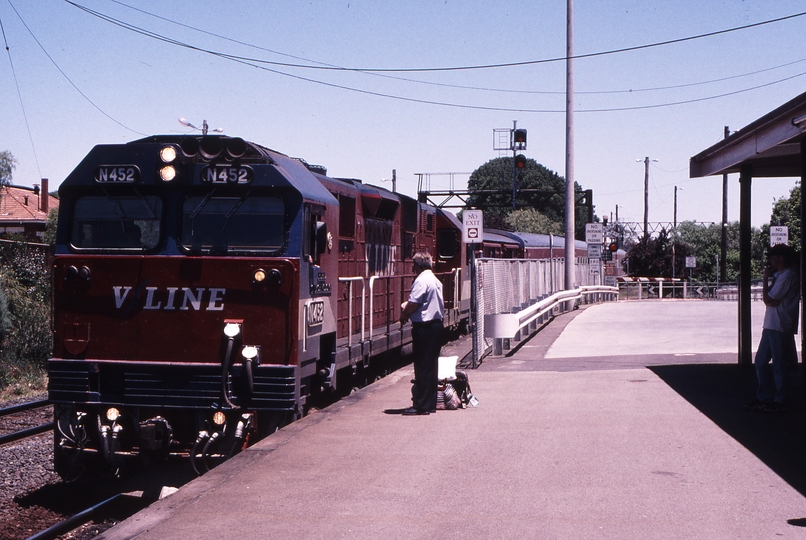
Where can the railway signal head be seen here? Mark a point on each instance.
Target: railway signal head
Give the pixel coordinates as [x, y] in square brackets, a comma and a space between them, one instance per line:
[519, 139]
[612, 247]
[520, 162]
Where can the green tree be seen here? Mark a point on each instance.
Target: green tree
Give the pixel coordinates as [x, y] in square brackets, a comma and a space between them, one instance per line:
[26, 342]
[7, 166]
[705, 242]
[495, 178]
[653, 257]
[49, 236]
[531, 221]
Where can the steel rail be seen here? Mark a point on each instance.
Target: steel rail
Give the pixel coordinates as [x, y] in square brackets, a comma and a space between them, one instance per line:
[24, 407]
[74, 521]
[25, 433]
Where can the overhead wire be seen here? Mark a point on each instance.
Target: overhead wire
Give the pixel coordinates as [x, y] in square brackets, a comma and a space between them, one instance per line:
[262, 64]
[516, 64]
[19, 96]
[459, 86]
[67, 78]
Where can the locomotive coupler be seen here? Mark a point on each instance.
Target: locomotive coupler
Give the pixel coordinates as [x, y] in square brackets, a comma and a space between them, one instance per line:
[109, 440]
[155, 434]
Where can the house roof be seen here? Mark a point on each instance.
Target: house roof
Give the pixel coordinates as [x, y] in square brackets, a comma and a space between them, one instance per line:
[19, 204]
[770, 145]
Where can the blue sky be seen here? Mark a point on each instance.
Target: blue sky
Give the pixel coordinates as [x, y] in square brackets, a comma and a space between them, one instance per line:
[363, 125]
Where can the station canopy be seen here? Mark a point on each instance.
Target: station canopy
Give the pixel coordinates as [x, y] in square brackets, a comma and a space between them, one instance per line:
[770, 146]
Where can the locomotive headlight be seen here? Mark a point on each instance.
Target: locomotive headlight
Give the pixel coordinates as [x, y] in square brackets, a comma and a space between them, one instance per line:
[219, 418]
[168, 154]
[231, 330]
[167, 173]
[249, 352]
[112, 414]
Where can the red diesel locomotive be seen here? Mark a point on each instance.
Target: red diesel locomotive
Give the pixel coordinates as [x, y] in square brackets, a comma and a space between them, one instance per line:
[206, 290]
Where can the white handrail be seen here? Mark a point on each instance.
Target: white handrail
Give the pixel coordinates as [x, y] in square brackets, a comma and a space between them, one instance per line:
[349, 281]
[507, 325]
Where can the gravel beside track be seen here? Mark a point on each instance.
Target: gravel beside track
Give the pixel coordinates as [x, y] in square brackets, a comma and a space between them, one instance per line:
[32, 496]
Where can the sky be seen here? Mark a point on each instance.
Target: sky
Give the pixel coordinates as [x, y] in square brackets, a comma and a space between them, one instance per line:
[87, 72]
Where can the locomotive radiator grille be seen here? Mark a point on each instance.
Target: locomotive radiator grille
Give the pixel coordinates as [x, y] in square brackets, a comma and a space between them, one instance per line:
[165, 385]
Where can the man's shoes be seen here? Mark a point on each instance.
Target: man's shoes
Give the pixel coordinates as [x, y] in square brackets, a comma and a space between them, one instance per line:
[774, 407]
[756, 405]
[411, 411]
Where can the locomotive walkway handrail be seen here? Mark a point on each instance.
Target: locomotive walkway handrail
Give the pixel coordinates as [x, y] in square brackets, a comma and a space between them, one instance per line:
[350, 281]
[457, 284]
[501, 326]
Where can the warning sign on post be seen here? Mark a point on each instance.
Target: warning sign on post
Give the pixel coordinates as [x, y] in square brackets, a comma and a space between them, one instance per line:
[594, 233]
[779, 234]
[473, 226]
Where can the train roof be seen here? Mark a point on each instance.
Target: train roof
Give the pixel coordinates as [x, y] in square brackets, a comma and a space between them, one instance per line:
[493, 235]
[201, 151]
[534, 240]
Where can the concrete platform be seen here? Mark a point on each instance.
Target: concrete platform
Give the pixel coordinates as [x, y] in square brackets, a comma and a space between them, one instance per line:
[562, 445]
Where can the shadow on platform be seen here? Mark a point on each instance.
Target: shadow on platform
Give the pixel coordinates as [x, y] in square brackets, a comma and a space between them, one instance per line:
[720, 390]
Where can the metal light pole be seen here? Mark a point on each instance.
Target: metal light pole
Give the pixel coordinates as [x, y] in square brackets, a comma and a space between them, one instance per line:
[570, 195]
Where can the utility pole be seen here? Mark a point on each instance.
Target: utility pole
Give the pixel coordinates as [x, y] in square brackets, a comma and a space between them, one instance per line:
[675, 208]
[674, 235]
[514, 166]
[646, 195]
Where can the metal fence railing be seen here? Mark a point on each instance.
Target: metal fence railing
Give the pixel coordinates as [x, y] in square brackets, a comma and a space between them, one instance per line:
[516, 286]
[696, 290]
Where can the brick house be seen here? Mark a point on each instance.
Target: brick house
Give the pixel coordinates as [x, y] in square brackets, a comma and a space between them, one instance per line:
[25, 210]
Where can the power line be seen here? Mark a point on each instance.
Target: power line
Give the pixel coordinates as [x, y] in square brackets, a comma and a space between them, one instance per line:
[19, 96]
[460, 86]
[259, 64]
[68, 78]
[505, 64]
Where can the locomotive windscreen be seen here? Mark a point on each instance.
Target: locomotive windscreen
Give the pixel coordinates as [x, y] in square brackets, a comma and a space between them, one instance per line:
[116, 223]
[253, 223]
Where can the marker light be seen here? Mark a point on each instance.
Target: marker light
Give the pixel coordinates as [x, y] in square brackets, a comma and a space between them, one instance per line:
[219, 418]
[112, 414]
[168, 154]
[259, 275]
[167, 173]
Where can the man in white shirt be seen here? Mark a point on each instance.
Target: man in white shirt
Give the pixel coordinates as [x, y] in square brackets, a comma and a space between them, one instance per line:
[782, 299]
[425, 308]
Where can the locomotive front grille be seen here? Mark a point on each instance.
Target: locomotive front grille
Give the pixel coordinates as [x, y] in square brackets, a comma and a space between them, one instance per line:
[165, 385]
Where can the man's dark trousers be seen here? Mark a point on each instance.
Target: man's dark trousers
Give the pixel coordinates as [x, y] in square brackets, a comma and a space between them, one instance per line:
[426, 339]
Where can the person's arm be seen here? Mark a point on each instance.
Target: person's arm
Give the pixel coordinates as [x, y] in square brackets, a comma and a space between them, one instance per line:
[406, 309]
[780, 288]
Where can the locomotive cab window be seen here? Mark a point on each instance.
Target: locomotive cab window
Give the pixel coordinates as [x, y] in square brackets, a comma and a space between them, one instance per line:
[112, 223]
[248, 223]
[447, 243]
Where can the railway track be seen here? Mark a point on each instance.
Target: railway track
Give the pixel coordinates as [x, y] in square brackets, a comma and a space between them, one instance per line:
[35, 503]
[29, 431]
